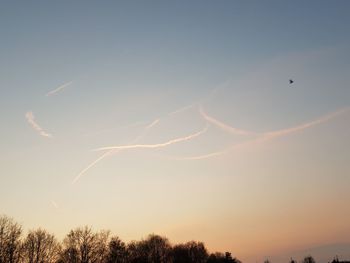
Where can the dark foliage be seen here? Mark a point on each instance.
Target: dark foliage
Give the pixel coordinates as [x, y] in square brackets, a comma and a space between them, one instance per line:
[83, 245]
[222, 258]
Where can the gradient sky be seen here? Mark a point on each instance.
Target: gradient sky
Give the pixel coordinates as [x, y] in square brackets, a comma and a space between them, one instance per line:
[245, 161]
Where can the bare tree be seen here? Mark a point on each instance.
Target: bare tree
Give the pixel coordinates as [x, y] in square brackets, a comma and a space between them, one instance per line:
[82, 245]
[219, 257]
[191, 252]
[117, 252]
[181, 254]
[137, 252]
[198, 252]
[68, 255]
[40, 247]
[10, 244]
[308, 259]
[158, 249]
[155, 249]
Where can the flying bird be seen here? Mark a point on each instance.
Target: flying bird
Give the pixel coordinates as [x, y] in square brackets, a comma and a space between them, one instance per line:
[291, 81]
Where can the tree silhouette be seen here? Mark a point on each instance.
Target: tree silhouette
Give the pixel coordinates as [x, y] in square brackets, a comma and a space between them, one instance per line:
[40, 247]
[158, 249]
[190, 252]
[137, 252]
[335, 259]
[10, 244]
[181, 254]
[84, 246]
[154, 249]
[222, 258]
[117, 252]
[308, 259]
[68, 255]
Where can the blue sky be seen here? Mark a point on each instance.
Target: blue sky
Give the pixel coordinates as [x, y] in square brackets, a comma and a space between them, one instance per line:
[129, 63]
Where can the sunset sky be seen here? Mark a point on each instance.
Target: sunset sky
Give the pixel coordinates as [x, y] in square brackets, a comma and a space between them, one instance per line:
[177, 118]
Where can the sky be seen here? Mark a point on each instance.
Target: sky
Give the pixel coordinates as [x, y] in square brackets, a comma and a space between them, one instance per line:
[177, 118]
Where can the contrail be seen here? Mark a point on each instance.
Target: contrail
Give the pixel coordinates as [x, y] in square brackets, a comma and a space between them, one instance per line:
[145, 131]
[269, 135]
[54, 204]
[31, 120]
[139, 123]
[182, 109]
[224, 126]
[158, 145]
[307, 125]
[154, 123]
[216, 89]
[90, 165]
[201, 100]
[151, 125]
[200, 157]
[112, 151]
[60, 88]
[224, 151]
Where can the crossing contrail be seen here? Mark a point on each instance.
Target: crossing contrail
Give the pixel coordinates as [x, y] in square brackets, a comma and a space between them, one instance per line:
[224, 126]
[158, 145]
[263, 137]
[60, 88]
[31, 120]
[112, 151]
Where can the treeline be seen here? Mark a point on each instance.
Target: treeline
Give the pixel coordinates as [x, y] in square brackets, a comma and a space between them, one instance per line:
[83, 245]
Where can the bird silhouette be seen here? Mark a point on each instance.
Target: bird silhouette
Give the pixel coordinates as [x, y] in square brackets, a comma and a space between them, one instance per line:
[291, 81]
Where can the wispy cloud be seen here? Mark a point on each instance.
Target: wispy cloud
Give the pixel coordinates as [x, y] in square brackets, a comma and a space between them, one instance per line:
[60, 88]
[263, 137]
[31, 120]
[223, 125]
[158, 145]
